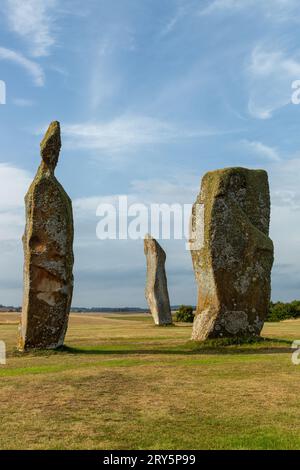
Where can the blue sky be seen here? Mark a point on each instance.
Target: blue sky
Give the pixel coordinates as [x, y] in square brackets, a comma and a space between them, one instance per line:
[150, 94]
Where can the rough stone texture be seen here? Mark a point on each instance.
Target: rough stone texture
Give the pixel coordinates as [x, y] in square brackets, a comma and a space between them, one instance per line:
[232, 253]
[48, 253]
[156, 286]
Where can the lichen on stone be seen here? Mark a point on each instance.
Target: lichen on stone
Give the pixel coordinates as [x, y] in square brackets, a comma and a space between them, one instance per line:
[156, 291]
[233, 266]
[48, 253]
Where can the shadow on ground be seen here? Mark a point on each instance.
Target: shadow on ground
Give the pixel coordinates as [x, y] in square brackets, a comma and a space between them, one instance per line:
[226, 346]
[265, 346]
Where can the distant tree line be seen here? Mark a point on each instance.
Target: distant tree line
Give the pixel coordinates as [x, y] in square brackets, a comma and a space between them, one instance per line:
[278, 311]
[9, 308]
[283, 310]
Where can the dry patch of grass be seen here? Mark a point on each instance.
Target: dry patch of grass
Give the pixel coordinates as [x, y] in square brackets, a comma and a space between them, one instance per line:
[125, 384]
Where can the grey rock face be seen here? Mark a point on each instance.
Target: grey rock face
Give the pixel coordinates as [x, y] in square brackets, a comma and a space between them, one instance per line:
[232, 253]
[48, 254]
[156, 286]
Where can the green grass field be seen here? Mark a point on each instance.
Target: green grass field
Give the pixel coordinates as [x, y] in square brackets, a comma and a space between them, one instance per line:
[122, 383]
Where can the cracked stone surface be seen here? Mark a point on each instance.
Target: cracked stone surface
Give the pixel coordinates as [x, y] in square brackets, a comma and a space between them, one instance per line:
[156, 291]
[48, 254]
[232, 253]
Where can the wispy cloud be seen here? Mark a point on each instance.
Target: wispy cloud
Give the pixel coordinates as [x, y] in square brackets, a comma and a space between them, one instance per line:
[285, 184]
[171, 189]
[173, 21]
[34, 69]
[279, 10]
[261, 150]
[23, 102]
[266, 62]
[174, 189]
[105, 72]
[221, 5]
[270, 74]
[129, 133]
[14, 183]
[33, 21]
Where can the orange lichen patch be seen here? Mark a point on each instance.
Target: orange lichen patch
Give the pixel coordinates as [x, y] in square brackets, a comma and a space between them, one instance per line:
[37, 245]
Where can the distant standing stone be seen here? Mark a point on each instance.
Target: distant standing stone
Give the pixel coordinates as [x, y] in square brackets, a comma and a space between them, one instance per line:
[232, 253]
[156, 287]
[48, 253]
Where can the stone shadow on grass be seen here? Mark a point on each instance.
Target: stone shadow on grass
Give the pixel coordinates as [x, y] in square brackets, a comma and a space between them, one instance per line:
[214, 346]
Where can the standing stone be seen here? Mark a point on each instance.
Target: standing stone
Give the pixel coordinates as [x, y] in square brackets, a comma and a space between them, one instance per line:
[232, 253]
[48, 253]
[156, 286]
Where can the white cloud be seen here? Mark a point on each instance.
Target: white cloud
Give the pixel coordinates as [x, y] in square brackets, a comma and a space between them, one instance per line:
[130, 132]
[23, 102]
[126, 257]
[124, 260]
[258, 111]
[32, 20]
[119, 134]
[262, 150]
[270, 74]
[177, 189]
[265, 63]
[278, 10]
[30, 66]
[171, 24]
[105, 79]
[220, 5]
[285, 226]
[284, 178]
[105, 71]
[14, 183]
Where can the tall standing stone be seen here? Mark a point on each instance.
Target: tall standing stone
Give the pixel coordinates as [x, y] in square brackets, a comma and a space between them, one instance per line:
[156, 285]
[48, 253]
[232, 253]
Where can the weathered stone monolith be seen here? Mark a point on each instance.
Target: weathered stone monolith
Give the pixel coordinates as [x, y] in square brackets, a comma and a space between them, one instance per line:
[232, 253]
[156, 286]
[48, 253]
